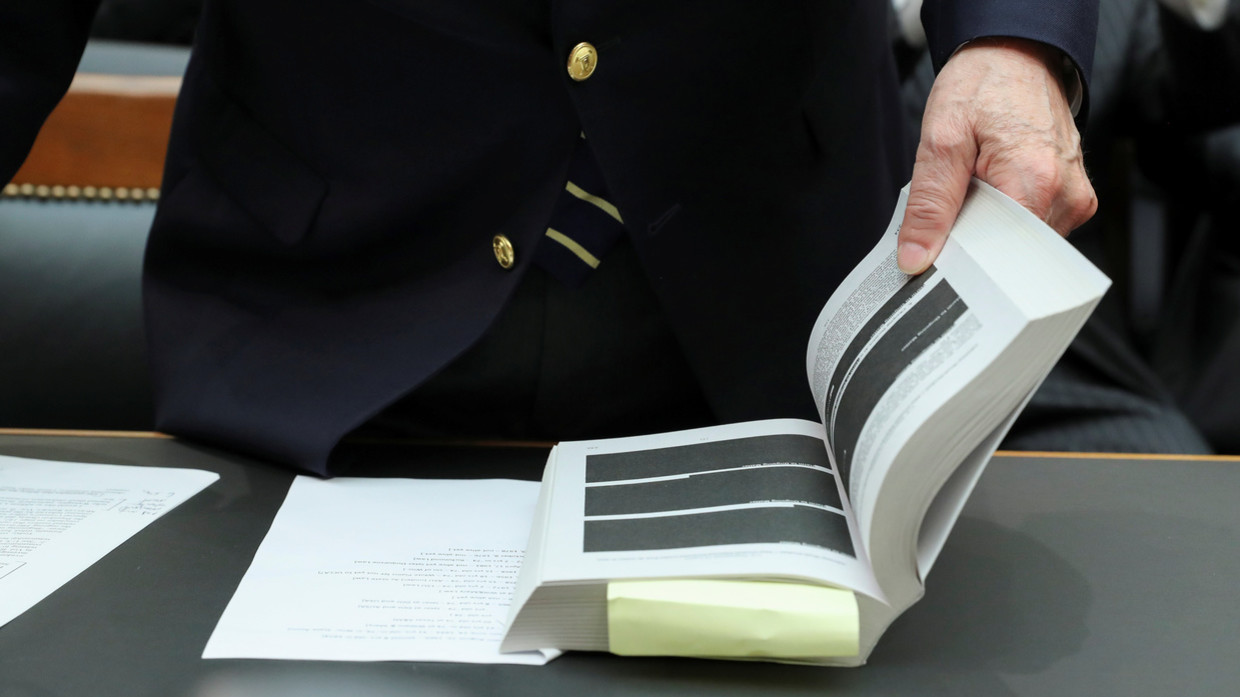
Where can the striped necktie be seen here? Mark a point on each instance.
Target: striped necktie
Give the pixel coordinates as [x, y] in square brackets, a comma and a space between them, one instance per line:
[583, 226]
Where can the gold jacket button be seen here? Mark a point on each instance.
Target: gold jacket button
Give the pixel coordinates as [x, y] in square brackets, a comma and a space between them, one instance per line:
[581, 61]
[504, 253]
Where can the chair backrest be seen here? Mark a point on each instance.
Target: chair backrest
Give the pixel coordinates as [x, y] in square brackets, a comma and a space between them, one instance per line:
[106, 139]
[73, 227]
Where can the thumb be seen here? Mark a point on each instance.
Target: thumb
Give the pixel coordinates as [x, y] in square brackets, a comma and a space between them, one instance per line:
[940, 181]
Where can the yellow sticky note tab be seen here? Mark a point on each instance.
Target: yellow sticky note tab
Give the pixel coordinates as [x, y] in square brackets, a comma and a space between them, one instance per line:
[731, 619]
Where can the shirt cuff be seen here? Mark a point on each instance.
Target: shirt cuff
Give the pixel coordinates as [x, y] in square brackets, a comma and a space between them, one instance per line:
[1073, 84]
[908, 18]
[1206, 14]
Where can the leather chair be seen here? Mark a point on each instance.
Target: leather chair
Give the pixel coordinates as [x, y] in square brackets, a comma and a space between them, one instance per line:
[73, 226]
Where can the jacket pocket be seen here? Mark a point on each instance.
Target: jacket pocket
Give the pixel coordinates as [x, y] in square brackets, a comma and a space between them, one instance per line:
[260, 174]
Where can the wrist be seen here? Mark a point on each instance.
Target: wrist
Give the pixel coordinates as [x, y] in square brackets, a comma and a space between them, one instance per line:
[1056, 62]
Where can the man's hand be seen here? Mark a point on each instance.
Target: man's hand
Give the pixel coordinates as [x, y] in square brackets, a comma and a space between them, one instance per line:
[997, 111]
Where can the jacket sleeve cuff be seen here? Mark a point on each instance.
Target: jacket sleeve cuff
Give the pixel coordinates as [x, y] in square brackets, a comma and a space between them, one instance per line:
[1068, 25]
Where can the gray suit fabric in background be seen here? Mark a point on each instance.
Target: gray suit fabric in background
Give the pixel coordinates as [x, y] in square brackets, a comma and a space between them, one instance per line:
[1197, 348]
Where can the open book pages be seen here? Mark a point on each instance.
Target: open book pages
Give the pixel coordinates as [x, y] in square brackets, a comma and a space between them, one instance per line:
[709, 503]
[916, 379]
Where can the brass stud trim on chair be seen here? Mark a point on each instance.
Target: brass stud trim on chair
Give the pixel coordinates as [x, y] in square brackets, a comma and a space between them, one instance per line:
[59, 192]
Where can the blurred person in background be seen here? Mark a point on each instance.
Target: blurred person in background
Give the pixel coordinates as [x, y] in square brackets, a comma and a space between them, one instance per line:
[1165, 72]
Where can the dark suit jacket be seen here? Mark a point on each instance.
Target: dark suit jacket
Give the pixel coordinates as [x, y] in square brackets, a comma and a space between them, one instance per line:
[338, 168]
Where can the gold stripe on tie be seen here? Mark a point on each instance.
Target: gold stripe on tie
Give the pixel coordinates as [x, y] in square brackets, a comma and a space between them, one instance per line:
[603, 204]
[581, 252]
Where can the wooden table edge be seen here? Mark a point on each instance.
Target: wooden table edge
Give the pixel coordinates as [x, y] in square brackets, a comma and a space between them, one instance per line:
[466, 442]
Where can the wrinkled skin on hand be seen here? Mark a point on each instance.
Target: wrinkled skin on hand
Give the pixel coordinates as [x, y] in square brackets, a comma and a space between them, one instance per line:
[998, 110]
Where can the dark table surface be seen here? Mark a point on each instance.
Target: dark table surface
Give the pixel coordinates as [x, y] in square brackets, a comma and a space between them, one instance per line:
[1065, 576]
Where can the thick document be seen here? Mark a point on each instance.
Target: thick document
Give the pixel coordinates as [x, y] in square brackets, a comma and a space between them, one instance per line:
[916, 379]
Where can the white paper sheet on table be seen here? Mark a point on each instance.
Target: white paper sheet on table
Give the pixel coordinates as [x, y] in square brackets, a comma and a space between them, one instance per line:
[58, 518]
[384, 570]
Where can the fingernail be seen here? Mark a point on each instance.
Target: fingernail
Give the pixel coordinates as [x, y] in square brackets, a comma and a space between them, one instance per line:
[911, 257]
